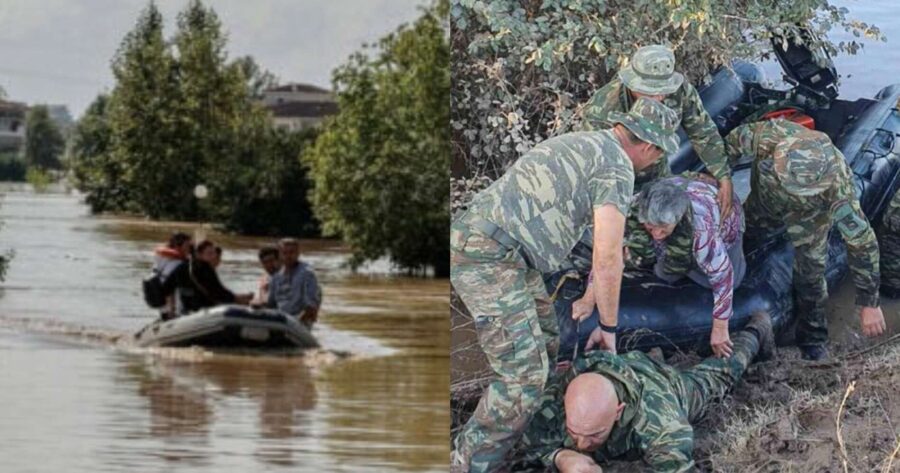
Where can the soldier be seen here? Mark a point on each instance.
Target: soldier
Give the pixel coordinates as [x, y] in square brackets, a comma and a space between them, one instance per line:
[801, 180]
[651, 73]
[633, 407]
[527, 222]
[691, 240]
[890, 249]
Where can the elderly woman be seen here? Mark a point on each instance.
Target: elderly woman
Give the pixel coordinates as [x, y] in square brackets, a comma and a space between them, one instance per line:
[691, 239]
[717, 250]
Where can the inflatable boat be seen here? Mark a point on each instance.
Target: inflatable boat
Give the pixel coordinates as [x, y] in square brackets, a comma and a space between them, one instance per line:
[654, 313]
[229, 326]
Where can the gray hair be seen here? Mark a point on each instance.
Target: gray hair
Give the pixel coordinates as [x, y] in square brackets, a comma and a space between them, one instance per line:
[663, 202]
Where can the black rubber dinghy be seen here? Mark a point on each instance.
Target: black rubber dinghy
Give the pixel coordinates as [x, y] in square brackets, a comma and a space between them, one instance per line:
[653, 313]
[229, 326]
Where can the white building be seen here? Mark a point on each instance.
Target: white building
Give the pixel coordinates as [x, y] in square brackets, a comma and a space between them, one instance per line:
[296, 107]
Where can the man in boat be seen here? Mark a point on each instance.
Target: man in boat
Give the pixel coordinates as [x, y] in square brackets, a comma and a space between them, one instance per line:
[690, 239]
[801, 180]
[197, 285]
[890, 249]
[166, 261]
[270, 260]
[633, 407]
[294, 289]
[526, 223]
[651, 73]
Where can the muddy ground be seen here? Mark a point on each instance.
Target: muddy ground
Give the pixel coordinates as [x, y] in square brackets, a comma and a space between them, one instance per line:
[783, 414]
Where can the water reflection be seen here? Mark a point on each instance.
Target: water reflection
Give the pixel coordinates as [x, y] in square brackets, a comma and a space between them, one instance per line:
[185, 399]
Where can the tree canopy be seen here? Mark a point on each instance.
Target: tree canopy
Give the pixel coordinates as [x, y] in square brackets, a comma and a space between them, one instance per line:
[380, 165]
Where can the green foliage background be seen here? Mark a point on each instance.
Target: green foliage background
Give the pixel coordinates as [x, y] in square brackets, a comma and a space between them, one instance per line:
[523, 68]
[380, 165]
[44, 143]
[182, 114]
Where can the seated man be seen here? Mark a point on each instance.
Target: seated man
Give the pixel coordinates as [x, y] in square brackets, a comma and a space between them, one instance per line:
[633, 407]
[197, 285]
[294, 289]
[270, 261]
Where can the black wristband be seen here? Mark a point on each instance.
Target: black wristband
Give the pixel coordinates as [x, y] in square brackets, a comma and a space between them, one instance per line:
[607, 328]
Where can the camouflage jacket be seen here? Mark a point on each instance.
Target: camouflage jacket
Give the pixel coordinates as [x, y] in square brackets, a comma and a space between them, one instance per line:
[697, 123]
[653, 427]
[806, 217]
[891, 219]
[546, 200]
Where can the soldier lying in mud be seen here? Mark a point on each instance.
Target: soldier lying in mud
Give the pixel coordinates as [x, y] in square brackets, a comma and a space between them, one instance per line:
[633, 407]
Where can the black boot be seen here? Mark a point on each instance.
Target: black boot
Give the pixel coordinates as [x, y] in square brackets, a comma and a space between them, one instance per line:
[814, 352]
[761, 325]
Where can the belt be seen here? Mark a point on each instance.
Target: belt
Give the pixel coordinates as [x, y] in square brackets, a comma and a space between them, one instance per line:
[492, 231]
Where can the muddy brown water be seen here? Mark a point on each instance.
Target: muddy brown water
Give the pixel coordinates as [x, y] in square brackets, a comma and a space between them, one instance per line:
[76, 396]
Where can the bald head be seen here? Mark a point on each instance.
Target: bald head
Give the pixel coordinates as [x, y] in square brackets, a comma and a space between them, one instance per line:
[592, 407]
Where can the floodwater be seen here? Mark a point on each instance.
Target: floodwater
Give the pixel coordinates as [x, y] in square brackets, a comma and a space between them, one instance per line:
[76, 396]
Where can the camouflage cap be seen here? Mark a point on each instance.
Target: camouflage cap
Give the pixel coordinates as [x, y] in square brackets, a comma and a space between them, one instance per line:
[804, 166]
[651, 122]
[652, 71]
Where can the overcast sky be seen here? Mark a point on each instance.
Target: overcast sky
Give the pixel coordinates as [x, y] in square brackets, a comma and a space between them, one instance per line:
[58, 51]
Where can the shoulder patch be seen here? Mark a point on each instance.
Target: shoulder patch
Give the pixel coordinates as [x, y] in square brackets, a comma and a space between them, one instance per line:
[848, 221]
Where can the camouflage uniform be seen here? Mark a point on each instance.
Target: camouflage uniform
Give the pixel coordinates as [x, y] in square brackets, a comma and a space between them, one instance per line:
[801, 180]
[681, 97]
[526, 222]
[661, 402]
[889, 244]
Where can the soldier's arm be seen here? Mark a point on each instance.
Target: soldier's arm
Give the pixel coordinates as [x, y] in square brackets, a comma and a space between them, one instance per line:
[862, 246]
[704, 134]
[596, 110]
[671, 450]
[740, 142]
[544, 436]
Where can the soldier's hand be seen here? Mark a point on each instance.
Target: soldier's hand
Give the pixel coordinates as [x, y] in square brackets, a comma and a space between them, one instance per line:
[871, 319]
[602, 341]
[726, 191]
[720, 341]
[582, 308]
[570, 461]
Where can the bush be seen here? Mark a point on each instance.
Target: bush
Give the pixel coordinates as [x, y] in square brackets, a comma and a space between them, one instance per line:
[38, 178]
[522, 69]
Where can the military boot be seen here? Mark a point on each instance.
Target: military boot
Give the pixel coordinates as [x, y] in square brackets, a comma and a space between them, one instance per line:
[761, 324]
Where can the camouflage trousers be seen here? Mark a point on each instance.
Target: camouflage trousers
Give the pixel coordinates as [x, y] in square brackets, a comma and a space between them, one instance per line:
[517, 330]
[710, 380]
[889, 245]
[810, 242]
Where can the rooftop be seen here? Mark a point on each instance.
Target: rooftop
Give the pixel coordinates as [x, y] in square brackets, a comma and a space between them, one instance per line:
[304, 109]
[295, 87]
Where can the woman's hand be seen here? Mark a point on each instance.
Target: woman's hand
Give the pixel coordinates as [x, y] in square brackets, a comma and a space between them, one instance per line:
[720, 341]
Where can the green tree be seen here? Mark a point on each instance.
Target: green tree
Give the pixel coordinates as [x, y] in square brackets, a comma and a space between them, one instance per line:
[258, 79]
[380, 165]
[214, 97]
[44, 144]
[96, 172]
[181, 115]
[522, 69]
[146, 132]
